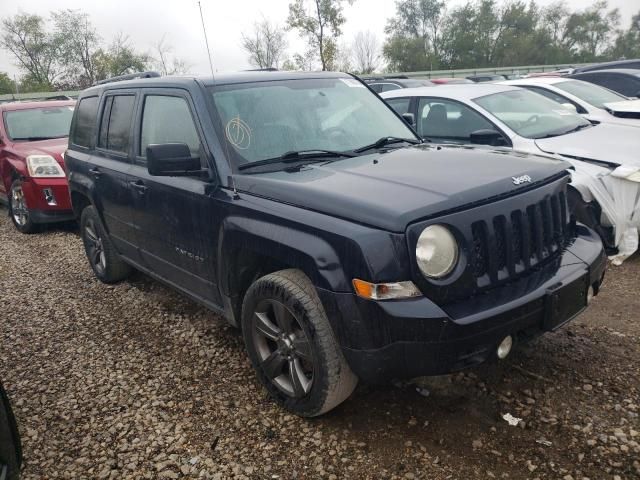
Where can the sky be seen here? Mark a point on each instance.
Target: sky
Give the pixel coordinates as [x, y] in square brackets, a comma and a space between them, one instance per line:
[146, 21]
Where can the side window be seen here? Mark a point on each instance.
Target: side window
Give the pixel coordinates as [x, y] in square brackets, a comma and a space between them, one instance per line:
[389, 86]
[85, 127]
[168, 120]
[400, 105]
[376, 87]
[555, 97]
[438, 118]
[115, 127]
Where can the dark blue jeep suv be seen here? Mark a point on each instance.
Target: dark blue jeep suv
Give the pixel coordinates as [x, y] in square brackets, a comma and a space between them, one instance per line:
[305, 211]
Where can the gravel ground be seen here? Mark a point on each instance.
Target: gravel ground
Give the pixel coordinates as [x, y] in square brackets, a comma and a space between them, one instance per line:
[135, 381]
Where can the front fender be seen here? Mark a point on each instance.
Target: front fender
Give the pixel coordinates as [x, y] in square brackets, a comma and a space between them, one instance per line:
[13, 165]
[293, 247]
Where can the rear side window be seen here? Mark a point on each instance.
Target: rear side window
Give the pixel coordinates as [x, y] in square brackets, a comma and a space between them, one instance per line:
[168, 120]
[400, 105]
[84, 130]
[115, 127]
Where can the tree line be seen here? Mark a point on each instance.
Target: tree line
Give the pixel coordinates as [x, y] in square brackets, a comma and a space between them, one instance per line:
[427, 35]
[64, 52]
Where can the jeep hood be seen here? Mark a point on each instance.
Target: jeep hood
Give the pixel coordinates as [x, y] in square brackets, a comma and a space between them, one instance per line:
[392, 190]
[612, 144]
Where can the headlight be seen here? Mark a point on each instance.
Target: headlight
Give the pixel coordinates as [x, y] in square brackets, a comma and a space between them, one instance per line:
[40, 166]
[436, 252]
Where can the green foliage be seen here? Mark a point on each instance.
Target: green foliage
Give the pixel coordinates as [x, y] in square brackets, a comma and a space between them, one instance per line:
[65, 51]
[6, 84]
[320, 22]
[424, 35]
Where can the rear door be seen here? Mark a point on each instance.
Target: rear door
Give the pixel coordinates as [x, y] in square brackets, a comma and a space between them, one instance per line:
[110, 169]
[178, 220]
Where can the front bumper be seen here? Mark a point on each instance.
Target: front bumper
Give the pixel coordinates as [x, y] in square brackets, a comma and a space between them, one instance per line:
[48, 199]
[389, 340]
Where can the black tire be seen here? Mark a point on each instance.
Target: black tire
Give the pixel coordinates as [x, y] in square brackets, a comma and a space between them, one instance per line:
[307, 351]
[103, 258]
[19, 211]
[10, 449]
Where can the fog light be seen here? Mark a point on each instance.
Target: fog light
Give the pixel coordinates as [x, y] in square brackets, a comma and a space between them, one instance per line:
[48, 197]
[590, 294]
[505, 347]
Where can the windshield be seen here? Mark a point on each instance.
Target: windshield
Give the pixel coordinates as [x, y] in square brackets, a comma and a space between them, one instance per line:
[590, 93]
[265, 120]
[38, 123]
[530, 114]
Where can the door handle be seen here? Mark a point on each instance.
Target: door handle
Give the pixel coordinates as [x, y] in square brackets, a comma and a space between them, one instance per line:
[95, 173]
[139, 186]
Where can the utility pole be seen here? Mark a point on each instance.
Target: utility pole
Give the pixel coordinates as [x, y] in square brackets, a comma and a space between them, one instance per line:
[206, 41]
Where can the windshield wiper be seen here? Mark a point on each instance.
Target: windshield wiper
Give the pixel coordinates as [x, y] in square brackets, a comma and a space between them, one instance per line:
[565, 132]
[384, 141]
[298, 156]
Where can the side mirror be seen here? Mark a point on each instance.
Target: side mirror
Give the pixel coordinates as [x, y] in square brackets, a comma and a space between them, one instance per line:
[172, 160]
[410, 118]
[570, 106]
[487, 137]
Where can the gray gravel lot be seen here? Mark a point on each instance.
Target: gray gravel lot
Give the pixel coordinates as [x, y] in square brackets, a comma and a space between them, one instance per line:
[135, 381]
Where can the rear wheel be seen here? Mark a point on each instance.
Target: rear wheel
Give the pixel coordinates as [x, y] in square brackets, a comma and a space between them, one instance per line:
[103, 258]
[19, 211]
[291, 345]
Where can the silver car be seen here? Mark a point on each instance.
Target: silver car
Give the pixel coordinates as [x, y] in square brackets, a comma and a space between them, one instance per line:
[606, 157]
[591, 101]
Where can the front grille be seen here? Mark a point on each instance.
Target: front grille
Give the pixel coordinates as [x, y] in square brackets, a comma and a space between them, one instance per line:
[519, 240]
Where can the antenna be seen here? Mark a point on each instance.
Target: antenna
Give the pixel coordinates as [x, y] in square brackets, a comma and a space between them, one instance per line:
[206, 41]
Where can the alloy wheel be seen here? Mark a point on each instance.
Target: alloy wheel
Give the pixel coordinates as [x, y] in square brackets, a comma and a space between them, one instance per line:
[95, 247]
[19, 206]
[284, 351]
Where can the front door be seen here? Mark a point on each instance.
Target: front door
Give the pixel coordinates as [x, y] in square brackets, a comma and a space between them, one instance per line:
[177, 217]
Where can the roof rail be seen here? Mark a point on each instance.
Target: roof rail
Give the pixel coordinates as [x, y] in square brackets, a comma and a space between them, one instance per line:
[132, 76]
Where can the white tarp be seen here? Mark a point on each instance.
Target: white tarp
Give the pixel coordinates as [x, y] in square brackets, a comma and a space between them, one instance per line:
[619, 199]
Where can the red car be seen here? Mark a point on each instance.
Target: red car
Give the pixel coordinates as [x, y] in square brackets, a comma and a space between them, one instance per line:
[450, 81]
[33, 138]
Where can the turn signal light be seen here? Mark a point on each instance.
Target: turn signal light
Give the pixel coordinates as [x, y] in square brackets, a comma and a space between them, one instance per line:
[385, 291]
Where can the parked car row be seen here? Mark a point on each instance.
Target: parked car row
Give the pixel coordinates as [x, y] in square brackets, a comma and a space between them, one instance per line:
[605, 191]
[350, 239]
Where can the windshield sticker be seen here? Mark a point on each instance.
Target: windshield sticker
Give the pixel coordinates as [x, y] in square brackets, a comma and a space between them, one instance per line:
[350, 82]
[564, 112]
[238, 133]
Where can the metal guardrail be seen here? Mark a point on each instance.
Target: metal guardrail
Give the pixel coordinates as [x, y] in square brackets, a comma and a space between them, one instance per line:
[522, 70]
[17, 97]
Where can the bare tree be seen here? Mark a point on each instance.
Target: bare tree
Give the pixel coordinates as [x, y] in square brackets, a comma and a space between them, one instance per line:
[266, 46]
[166, 62]
[366, 52]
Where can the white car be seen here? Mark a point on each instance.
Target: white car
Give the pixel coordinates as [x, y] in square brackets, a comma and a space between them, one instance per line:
[606, 175]
[592, 101]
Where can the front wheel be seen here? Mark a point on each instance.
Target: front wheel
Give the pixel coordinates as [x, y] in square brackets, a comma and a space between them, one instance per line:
[103, 257]
[292, 346]
[19, 211]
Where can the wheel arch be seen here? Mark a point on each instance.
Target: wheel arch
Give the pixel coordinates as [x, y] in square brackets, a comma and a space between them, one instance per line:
[250, 249]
